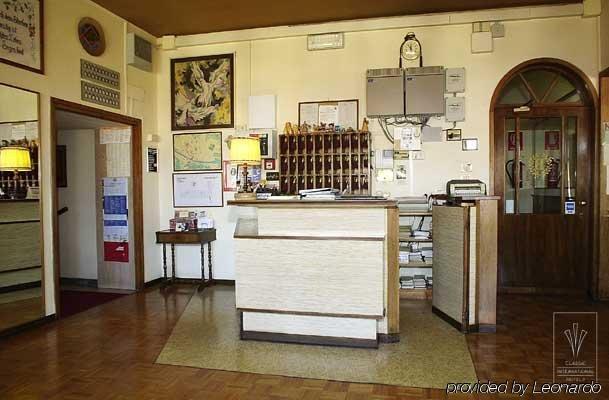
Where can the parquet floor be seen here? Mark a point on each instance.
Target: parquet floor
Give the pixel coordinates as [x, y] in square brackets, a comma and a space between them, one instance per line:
[108, 353]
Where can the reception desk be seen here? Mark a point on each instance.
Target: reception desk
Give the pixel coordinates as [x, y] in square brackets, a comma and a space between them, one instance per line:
[318, 272]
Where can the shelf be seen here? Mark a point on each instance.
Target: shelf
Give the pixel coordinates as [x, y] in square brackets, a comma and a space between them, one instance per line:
[416, 294]
[415, 239]
[415, 213]
[416, 264]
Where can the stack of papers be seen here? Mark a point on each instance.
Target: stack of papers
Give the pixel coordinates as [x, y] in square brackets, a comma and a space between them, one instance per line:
[420, 282]
[406, 282]
[318, 194]
[429, 280]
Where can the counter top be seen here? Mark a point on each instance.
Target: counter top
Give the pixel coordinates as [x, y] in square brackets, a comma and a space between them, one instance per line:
[315, 203]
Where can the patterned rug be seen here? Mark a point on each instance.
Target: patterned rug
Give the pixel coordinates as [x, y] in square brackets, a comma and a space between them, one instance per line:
[430, 354]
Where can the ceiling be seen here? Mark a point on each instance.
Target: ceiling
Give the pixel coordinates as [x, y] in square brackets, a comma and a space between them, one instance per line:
[66, 120]
[185, 17]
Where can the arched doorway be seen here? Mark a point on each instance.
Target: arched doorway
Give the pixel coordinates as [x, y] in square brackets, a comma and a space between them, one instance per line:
[543, 124]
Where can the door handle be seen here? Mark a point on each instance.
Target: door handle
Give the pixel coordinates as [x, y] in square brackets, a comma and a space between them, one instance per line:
[583, 203]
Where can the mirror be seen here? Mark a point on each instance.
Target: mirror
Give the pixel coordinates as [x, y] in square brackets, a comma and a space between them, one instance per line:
[21, 299]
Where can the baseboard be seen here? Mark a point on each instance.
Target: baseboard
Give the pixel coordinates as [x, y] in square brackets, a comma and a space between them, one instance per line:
[81, 282]
[388, 337]
[456, 324]
[542, 291]
[20, 286]
[27, 326]
[482, 328]
[192, 281]
[309, 339]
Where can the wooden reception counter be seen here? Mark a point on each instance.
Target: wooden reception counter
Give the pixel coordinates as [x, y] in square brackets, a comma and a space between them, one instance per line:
[321, 272]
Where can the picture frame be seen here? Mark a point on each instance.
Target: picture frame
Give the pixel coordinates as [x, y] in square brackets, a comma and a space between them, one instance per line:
[344, 113]
[453, 135]
[200, 189]
[195, 108]
[269, 164]
[512, 141]
[230, 176]
[552, 140]
[197, 151]
[30, 54]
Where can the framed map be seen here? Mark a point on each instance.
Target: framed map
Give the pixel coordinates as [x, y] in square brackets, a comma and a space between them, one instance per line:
[198, 190]
[197, 151]
[21, 34]
[202, 92]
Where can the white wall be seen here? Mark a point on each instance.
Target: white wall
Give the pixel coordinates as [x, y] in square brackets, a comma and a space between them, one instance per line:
[604, 34]
[284, 67]
[62, 80]
[17, 105]
[78, 227]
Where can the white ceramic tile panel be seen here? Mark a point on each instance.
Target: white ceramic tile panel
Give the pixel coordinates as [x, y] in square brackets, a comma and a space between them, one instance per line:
[352, 222]
[357, 328]
[320, 276]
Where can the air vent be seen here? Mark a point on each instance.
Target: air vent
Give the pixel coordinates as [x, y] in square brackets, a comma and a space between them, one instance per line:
[383, 72]
[139, 52]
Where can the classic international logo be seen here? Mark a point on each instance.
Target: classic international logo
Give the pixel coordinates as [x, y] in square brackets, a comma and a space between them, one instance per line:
[575, 351]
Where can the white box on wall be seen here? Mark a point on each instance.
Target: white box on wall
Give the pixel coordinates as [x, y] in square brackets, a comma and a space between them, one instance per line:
[482, 42]
[262, 112]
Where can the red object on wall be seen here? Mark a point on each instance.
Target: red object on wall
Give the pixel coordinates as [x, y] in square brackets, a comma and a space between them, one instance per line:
[116, 251]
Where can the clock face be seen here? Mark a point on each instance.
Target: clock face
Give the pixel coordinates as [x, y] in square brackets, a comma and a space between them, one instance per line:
[411, 50]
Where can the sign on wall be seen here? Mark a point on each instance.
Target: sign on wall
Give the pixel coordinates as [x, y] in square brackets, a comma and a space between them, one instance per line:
[21, 34]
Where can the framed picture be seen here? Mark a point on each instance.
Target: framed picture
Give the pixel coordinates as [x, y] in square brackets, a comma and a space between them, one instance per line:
[22, 47]
[197, 151]
[61, 166]
[202, 189]
[230, 176]
[269, 164]
[202, 92]
[453, 135]
[552, 140]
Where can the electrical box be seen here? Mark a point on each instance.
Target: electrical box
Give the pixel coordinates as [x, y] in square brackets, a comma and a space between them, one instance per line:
[384, 92]
[424, 91]
[139, 52]
[455, 109]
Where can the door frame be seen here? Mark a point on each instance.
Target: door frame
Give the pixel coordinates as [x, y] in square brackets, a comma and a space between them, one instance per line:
[136, 173]
[593, 267]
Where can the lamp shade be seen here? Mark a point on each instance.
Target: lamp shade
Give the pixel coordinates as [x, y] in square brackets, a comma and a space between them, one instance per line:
[14, 158]
[245, 150]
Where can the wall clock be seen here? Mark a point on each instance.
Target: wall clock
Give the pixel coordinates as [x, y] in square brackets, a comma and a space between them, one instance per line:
[411, 49]
[91, 36]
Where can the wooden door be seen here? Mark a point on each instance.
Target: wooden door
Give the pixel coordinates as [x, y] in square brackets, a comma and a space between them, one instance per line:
[544, 176]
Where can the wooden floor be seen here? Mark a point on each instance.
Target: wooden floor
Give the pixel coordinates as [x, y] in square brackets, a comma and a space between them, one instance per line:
[108, 353]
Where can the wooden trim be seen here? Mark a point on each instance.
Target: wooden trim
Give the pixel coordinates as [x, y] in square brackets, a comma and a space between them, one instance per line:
[173, 61]
[27, 326]
[486, 263]
[393, 271]
[314, 203]
[310, 313]
[592, 101]
[454, 323]
[466, 277]
[309, 339]
[41, 44]
[136, 172]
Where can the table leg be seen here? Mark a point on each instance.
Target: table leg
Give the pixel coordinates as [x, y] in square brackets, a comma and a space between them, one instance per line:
[211, 276]
[173, 263]
[202, 284]
[164, 261]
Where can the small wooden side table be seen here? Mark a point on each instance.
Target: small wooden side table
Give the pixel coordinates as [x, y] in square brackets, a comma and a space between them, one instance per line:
[201, 236]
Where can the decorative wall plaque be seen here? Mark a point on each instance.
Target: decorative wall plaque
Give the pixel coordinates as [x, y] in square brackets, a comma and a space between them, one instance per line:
[100, 95]
[99, 74]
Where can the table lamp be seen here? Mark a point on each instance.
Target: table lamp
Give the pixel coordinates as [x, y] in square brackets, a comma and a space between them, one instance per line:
[245, 151]
[16, 159]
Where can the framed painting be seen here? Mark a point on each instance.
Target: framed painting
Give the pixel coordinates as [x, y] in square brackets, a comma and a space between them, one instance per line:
[202, 92]
[22, 44]
[197, 151]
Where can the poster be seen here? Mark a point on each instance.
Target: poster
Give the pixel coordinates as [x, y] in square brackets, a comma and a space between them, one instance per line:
[21, 34]
[116, 220]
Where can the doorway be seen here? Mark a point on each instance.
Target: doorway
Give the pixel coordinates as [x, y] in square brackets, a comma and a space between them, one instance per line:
[543, 157]
[90, 267]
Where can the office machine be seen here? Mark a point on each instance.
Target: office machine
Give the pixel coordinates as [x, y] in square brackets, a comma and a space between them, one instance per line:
[385, 92]
[465, 188]
[424, 91]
